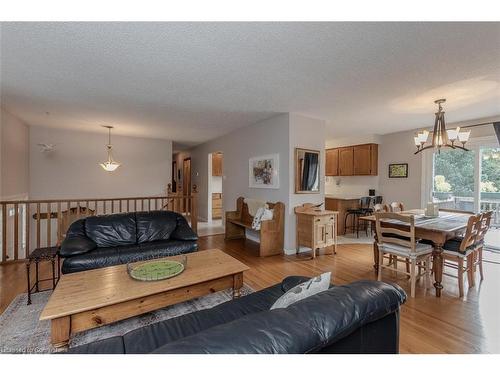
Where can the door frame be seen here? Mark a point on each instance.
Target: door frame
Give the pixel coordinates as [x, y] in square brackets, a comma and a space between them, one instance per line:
[186, 187]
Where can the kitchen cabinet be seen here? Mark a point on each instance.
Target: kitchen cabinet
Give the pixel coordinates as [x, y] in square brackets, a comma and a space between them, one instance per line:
[357, 160]
[217, 164]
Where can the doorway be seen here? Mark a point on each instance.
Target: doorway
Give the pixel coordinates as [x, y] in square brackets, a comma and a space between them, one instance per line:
[186, 185]
[215, 209]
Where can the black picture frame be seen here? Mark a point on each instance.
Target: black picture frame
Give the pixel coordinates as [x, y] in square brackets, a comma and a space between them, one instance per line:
[398, 170]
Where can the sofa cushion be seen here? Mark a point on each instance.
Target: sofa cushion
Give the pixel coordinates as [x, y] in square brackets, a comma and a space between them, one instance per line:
[155, 225]
[111, 230]
[72, 246]
[97, 258]
[306, 289]
[454, 245]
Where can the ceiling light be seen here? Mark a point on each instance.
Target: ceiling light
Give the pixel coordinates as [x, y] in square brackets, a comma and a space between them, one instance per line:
[440, 136]
[109, 165]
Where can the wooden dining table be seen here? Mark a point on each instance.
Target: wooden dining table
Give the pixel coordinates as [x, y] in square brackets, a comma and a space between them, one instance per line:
[436, 229]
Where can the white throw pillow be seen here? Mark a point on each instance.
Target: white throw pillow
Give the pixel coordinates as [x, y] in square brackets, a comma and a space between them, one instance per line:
[306, 289]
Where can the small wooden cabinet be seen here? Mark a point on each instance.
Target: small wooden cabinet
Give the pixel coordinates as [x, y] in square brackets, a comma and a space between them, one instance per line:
[316, 229]
[358, 160]
[217, 164]
[216, 206]
[332, 162]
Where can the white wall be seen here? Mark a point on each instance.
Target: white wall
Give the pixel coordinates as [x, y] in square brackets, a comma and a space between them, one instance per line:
[72, 171]
[266, 137]
[279, 134]
[309, 133]
[352, 186]
[14, 151]
[400, 148]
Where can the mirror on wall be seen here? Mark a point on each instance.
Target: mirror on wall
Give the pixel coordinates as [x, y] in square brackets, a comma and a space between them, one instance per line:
[307, 171]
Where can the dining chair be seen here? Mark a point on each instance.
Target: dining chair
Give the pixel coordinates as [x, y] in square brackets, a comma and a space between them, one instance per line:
[484, 226]
[459, 252]
[379, 207]
[397, 207]
[401, 243]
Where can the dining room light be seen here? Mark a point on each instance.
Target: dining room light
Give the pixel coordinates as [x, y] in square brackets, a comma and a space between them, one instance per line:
[440, 136]
[109, 165]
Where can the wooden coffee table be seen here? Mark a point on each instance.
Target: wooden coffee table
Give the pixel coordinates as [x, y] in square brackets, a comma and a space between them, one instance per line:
[94, 298]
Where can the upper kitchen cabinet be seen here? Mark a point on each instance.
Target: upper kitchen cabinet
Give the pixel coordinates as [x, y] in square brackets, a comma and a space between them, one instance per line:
[332, 162]
[358, 160]
[346, 161]
[217, 164]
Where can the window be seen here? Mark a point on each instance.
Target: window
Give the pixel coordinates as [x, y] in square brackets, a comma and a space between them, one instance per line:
[467, 180]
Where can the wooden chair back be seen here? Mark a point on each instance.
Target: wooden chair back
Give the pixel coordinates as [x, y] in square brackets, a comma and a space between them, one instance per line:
[483, 226]
[405, 233]
[397, 207]
[379, 207]
[471, 232]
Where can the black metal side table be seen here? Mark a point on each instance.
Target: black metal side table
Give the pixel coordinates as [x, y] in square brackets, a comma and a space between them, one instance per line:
[39, 255]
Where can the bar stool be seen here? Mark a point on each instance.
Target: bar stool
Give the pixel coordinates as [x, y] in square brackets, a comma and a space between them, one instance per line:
[362, 210]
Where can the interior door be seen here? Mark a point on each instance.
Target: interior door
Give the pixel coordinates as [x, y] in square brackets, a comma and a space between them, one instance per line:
[186, 186]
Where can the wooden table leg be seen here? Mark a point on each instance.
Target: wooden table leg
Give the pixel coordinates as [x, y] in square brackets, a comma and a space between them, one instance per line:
[29, 281]
[375, 254]
[237, 284]
[61, 331]
[438, 268]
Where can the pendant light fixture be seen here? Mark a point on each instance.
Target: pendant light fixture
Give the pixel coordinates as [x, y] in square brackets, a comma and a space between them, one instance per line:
[440, 136]
[109, 165]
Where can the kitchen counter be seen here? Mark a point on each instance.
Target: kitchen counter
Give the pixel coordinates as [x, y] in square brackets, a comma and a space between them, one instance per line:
[342, 203]
[342, 197]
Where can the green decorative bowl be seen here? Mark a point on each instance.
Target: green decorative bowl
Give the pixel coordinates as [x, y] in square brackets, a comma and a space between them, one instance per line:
[155, 270]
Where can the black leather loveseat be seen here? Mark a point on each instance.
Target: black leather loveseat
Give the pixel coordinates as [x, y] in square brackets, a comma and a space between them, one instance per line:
[362, 317]
[108, 240]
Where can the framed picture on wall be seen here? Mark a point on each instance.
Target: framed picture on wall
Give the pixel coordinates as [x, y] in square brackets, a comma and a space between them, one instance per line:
[399, 170]
[263, 172]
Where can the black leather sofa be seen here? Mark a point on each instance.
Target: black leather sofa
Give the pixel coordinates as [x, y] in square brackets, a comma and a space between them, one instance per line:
[108, 240]
[362, 317]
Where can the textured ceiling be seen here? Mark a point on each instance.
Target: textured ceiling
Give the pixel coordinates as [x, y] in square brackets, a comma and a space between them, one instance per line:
[191, 82]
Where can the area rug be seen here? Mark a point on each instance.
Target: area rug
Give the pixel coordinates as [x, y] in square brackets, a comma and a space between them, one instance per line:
[22, 332]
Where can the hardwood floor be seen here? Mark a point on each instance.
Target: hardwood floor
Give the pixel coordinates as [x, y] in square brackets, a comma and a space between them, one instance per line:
[428, 324]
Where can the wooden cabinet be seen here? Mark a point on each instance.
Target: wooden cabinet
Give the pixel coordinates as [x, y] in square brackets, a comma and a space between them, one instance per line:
[217, 164]
[358, 160]
[216, 206]
[316, 229]
[332, 162]
[346, 161]
[341, 206]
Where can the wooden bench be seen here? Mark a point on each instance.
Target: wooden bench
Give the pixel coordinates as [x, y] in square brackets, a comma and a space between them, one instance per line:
[272, 232]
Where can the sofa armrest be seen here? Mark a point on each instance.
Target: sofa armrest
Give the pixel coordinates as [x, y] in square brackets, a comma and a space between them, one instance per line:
[183, 231]
[72, 246]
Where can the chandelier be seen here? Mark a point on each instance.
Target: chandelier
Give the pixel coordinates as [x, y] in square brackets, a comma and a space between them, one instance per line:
[109, 165]
[440, 136]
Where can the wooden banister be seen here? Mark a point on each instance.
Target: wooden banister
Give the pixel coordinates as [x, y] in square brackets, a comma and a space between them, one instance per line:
[29, 224]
